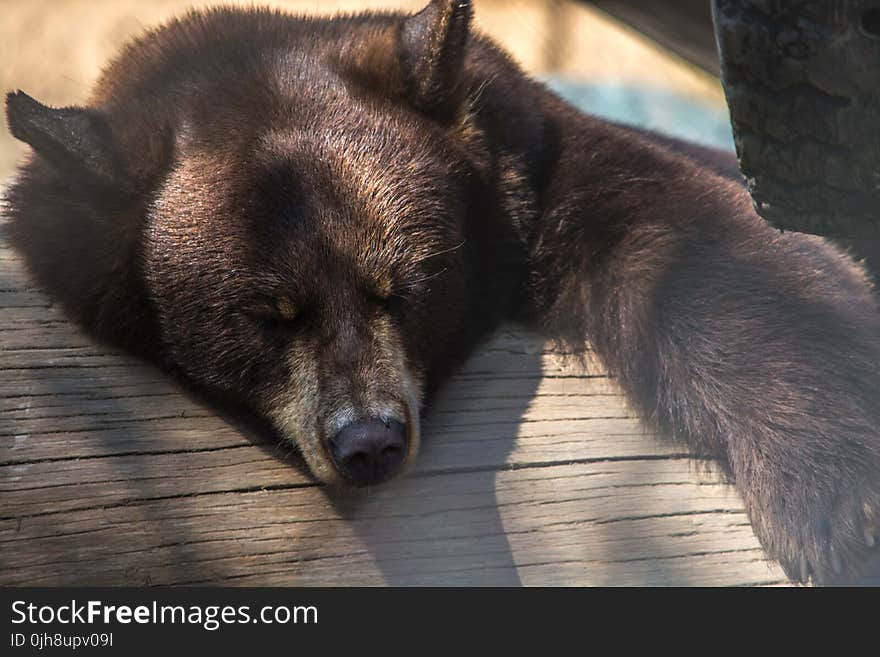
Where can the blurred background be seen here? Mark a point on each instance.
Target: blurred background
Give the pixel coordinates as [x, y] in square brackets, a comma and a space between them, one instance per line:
[55, 49]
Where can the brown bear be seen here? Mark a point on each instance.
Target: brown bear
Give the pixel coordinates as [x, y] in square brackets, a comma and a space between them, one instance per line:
[317, 218]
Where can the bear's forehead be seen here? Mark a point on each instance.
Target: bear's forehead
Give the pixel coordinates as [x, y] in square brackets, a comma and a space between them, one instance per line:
[307, 177]
[307, 206]
[298, 117]
[364, 185]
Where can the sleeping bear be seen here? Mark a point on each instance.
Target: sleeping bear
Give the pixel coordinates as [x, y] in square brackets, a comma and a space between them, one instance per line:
[318, 218]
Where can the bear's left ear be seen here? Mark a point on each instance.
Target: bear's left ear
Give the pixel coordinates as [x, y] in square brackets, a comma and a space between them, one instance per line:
[432, 50]
[74, 140]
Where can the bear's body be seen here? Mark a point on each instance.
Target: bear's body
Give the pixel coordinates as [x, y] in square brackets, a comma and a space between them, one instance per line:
[318, 218]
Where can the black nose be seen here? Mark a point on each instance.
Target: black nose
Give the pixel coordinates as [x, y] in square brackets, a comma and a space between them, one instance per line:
[369, 451]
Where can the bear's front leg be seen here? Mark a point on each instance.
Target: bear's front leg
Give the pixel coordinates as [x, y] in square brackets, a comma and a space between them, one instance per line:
[759, 348]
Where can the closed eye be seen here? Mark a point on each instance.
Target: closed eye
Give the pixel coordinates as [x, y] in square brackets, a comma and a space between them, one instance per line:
[394, 302]
[389, 298]
[280, 313]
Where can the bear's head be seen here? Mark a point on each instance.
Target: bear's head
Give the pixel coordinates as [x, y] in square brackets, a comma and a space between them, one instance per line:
[292, 199]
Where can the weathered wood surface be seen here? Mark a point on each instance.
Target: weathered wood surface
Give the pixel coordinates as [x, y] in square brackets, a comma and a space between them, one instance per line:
[532, 472]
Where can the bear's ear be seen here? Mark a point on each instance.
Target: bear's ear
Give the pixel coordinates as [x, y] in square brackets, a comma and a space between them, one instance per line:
[432, 50]
[72, 139]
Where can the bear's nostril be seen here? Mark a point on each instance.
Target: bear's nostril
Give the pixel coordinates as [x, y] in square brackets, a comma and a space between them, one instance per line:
[391, 457]
[369, 451]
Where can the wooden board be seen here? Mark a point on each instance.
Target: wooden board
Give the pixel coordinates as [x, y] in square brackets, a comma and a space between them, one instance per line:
[533, 472]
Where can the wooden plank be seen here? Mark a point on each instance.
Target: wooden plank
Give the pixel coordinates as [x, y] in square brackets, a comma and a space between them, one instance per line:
[533, 471]
[589, 520]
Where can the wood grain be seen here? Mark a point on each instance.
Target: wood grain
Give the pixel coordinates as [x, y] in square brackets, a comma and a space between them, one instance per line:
[533, 472]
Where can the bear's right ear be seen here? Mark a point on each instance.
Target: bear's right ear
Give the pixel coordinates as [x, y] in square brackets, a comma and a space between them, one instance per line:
[421, 58]
[432, 47]
[74, 140]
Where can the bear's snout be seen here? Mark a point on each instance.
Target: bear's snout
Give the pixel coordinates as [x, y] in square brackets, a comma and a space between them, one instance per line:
[369, 451]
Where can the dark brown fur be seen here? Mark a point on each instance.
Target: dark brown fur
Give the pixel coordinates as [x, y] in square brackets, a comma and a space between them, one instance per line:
[318, 217]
